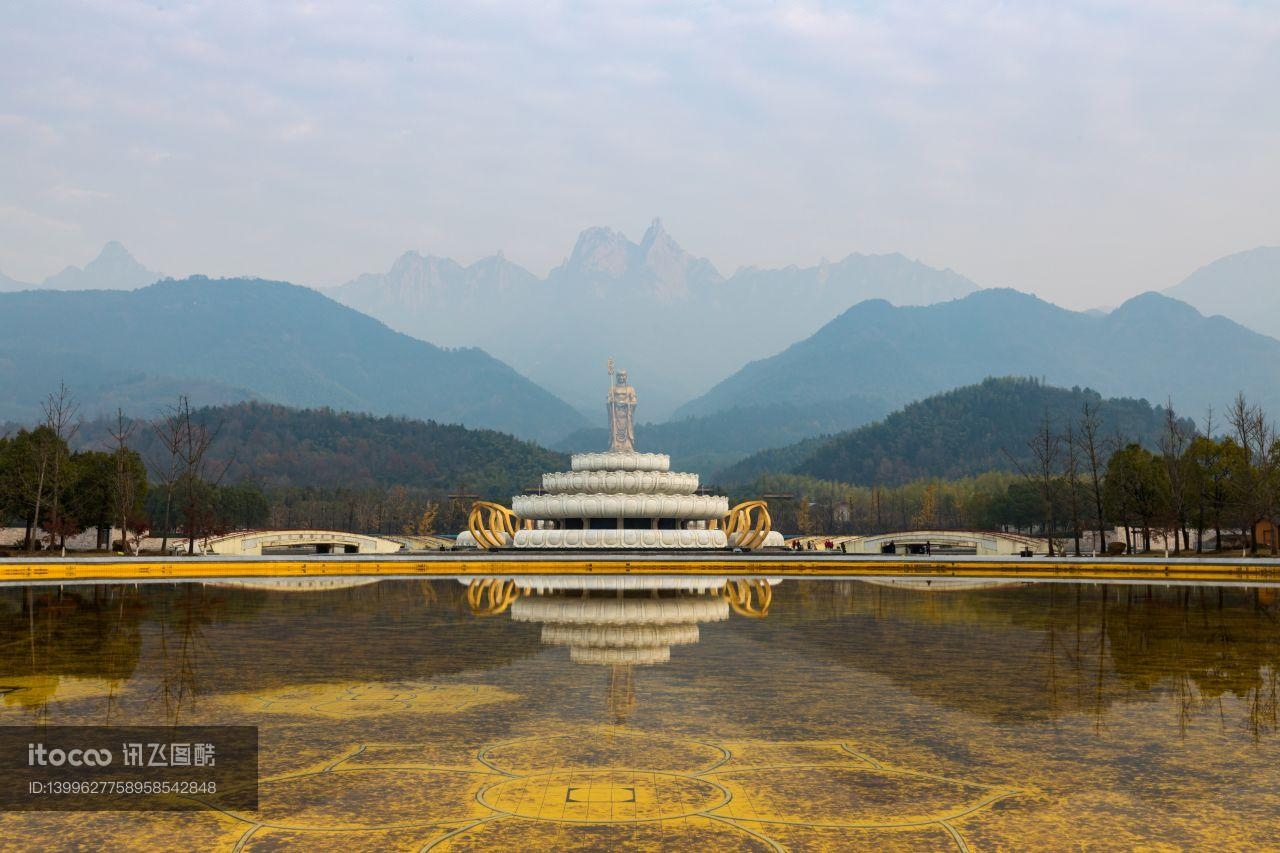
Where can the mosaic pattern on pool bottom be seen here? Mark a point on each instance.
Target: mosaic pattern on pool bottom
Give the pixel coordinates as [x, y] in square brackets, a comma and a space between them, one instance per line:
[853, 717]
[602, 788]
[354, 699]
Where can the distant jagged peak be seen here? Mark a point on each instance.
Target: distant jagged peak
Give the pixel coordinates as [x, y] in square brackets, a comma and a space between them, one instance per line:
[496, 269]
[417, 280]
[657, 266]
[892, 275]
[115, 257]
[114, 268]
[600, 250]
[656, 233]
[113, 251]
[414, 263]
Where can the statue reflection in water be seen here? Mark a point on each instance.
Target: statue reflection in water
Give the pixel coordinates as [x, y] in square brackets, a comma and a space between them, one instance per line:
[620, 622]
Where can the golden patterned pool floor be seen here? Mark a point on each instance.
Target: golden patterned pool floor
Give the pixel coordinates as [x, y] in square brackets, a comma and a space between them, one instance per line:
[363, 699]
[609, 788]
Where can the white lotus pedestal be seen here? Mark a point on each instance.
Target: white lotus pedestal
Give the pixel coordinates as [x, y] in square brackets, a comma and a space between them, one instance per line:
[619, 500]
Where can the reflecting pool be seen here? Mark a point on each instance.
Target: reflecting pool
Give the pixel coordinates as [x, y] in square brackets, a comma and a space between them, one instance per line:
[682, 714]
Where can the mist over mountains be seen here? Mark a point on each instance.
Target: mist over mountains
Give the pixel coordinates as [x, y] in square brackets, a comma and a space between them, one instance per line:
[686, 334]
[1244, 287]
[221, 341]
[113, 269]
[1150, 347]
[671, 318]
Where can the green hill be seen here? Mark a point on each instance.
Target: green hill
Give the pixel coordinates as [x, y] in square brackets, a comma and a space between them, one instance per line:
[961, 433]
[237, 339]
[707, 444]
[279, 447]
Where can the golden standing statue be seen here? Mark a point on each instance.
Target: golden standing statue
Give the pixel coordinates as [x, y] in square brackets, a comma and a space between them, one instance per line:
[622, 411]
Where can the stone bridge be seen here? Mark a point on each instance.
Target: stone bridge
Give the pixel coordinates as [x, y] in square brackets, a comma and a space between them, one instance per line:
[253, 542]
[982, 542]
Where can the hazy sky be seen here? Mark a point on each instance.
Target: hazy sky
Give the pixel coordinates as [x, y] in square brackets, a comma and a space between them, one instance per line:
[1083, 151]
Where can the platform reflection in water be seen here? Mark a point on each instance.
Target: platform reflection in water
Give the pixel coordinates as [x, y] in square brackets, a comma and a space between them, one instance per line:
[704, 713]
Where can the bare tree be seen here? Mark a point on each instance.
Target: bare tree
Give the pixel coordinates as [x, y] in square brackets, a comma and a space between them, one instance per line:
[1173, 447]
[125, 486]
[196, 470]
[1045, 445]
[61, 416]
[32, 479]
[1071, 473]
[167, 468]
[1257, 437]
[1095, 450]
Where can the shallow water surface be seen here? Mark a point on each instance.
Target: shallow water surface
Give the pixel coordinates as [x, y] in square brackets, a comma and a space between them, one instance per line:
[835, 716]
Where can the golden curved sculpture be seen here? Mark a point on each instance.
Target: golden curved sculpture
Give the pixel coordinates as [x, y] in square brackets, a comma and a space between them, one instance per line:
[751, 528]
[740, 592]
[488, 522]
[491, 596]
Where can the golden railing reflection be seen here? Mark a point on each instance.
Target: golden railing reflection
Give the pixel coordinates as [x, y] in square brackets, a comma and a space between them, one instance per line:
[749, 598]
[491, 596]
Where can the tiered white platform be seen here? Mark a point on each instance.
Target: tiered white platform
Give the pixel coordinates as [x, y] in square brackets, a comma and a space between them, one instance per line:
[620, 499]
[620, 631]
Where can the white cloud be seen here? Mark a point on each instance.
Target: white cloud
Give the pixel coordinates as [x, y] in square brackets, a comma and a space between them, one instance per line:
[76, 195]
[1038, 144]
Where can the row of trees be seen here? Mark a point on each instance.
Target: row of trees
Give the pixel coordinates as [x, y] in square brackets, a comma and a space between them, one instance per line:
[51, 488]
[1072, 477]
[1196, 480]
[175, 488]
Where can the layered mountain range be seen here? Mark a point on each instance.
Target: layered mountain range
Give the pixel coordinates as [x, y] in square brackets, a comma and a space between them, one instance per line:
[668, 316]
[759, 349]
[1244, 286]
[220, 341]
[1151, 346]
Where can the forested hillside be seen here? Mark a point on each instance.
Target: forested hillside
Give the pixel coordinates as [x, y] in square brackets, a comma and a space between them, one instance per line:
[708, 444]
[278, 447]
[961, 433]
